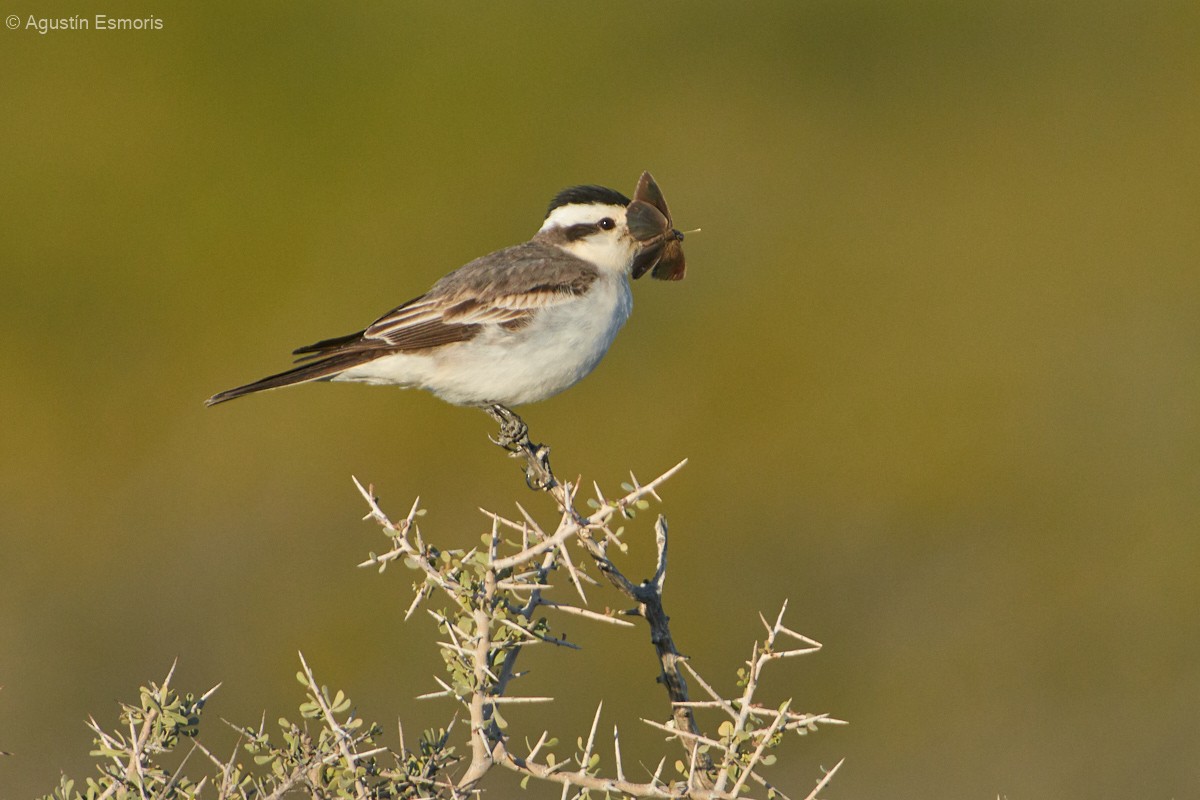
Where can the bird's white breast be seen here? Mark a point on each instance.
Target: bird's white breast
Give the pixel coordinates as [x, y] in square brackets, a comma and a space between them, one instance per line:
[561, 345]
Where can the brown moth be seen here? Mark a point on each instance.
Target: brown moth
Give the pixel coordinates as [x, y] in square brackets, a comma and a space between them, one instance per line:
[650, 223]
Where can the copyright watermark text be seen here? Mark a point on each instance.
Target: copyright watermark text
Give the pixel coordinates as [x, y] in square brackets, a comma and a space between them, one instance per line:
[78, 22]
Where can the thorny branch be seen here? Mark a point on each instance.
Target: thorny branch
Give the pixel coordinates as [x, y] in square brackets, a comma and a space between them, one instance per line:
[496, 592]
[493, 607]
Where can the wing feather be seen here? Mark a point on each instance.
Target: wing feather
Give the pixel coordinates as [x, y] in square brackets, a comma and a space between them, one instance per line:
[505, 289]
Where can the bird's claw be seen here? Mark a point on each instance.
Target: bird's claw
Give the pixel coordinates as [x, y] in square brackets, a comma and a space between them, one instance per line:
[513, 430]
[539, 477]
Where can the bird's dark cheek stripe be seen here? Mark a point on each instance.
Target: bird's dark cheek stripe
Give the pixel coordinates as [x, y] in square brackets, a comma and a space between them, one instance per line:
[580, 231]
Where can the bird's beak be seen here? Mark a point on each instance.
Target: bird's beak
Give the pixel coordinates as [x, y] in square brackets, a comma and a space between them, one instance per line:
[649, 222]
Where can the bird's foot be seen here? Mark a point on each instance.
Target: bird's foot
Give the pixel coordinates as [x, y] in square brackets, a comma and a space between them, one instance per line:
[514, 437]
[513, 430]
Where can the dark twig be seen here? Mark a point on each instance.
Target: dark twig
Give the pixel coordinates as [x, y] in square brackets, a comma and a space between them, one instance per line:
[514, 437]
[647, 594]
[497, 592]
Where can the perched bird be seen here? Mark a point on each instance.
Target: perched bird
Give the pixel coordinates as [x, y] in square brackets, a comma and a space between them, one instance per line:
[518, 325]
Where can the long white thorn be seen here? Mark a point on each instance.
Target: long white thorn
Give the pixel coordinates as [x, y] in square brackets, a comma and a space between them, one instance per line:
[617, 754]
[654, 779]
[825, 780]
[587, 751]
[583, 612]
[541, 741]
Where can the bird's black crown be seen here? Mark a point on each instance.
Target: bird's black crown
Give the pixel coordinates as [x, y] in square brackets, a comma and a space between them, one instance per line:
[587, 194]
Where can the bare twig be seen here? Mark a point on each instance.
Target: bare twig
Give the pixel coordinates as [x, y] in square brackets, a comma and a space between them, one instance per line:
[496, 595]
[343, 736]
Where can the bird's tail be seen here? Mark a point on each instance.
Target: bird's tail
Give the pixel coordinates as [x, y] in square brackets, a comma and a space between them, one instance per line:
[323, 370]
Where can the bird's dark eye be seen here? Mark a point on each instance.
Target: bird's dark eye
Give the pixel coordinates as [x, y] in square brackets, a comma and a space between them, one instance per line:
[607, 224]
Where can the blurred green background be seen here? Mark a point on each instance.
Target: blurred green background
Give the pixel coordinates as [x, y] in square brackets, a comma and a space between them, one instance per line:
[934, 364]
